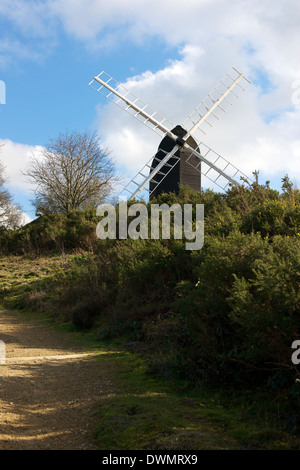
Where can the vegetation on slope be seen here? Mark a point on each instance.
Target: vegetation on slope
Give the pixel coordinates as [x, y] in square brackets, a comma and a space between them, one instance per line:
[224, 316]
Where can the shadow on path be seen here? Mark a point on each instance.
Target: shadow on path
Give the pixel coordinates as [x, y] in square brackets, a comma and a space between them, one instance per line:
[49, 392]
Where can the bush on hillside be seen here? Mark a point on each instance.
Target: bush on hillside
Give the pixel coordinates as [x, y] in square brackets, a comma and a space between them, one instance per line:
[228, 312]
[53, 233]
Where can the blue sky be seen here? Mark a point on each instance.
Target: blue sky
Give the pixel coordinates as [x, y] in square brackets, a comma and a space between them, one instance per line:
[171, 53]
[47, 96]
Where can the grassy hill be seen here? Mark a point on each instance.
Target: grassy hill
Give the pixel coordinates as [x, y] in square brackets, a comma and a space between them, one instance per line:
[223, 317]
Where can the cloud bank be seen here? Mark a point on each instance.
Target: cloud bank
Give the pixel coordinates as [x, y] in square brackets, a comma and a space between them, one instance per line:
[261, 39]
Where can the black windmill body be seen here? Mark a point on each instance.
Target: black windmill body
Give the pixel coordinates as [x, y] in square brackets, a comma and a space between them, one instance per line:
[180, 168]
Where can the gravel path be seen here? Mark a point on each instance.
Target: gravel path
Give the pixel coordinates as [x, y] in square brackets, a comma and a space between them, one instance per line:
[49, 391]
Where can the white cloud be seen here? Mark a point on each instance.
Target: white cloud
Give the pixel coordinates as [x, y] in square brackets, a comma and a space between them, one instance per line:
[252, 22]
[270, 29]
[32, 17]
[15, 157]
[28, 31]
[25, 219]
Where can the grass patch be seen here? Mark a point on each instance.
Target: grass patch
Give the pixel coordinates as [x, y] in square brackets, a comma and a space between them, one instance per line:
[31, 281]
[150, 414]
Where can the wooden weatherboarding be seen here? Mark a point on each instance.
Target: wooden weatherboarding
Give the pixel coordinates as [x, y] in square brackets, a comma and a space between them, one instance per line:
[181, 157]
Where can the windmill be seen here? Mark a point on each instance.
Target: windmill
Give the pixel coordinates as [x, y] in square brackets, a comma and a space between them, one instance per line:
[182, 157]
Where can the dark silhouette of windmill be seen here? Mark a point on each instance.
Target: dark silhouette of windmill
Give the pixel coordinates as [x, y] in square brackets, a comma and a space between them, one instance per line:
[177, 170]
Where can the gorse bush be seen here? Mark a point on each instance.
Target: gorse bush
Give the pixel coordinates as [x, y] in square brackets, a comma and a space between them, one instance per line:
[266, 306]
[53, 233]
[242, 314]
[274, 218]
[211, 332]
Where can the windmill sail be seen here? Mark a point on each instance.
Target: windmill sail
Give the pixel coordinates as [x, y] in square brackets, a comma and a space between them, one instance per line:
[200, 157]
[216, 168]
[216, 103]
[125, 99]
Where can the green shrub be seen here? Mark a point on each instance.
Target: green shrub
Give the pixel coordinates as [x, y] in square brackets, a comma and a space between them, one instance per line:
[53, 233]
[274, 218]
[266, 307]
[203, 304]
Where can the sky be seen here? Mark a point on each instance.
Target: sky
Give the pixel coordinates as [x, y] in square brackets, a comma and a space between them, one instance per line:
[170, 54]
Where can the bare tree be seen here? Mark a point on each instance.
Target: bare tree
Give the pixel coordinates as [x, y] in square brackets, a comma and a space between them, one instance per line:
[71, 173]
[10, 213]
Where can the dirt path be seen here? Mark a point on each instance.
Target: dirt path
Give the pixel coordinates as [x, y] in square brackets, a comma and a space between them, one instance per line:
[49, 391]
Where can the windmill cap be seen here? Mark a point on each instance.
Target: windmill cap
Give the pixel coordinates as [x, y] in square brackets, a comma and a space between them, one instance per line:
[179, 131]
